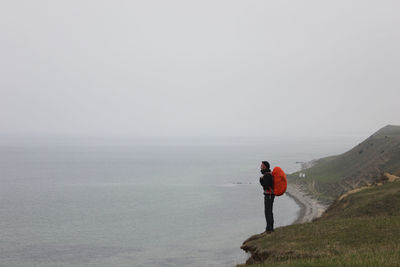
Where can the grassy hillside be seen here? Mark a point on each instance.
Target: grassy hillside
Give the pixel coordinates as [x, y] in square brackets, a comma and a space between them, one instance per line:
[373, 201]
[361, 229]
[362, 165]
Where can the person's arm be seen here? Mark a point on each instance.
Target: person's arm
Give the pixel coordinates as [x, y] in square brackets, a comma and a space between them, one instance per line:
[262, 181]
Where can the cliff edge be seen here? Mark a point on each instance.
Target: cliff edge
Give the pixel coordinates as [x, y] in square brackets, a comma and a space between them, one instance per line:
[361, 227]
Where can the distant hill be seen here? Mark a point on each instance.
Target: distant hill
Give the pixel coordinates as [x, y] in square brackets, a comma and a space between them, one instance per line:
[366, 163]
[360, 229]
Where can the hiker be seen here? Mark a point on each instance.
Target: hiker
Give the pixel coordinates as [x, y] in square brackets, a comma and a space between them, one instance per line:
[267, 183]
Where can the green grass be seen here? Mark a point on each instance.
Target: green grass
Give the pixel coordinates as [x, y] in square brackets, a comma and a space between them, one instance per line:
[362, 229]
[374, 201]
[363, 233]
[364, 164]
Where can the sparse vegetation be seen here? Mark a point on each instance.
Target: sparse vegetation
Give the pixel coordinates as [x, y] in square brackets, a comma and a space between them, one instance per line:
[355, 231]
[332, 176]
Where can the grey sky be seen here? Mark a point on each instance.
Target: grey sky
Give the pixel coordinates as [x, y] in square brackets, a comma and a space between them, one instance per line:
[198, 68]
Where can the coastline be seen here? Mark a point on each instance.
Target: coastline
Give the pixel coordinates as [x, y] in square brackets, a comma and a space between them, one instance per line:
[310, 208]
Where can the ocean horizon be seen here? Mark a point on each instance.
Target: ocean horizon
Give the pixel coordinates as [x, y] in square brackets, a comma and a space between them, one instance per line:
[138, 204]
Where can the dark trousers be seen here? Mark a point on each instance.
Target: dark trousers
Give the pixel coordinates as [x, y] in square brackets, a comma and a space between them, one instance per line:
[269, 216]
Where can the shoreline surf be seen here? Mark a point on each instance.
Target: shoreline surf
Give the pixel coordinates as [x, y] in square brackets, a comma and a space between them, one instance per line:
[310, 208]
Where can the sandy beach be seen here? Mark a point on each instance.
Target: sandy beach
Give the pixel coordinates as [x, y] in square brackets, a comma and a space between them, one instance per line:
[310, 208]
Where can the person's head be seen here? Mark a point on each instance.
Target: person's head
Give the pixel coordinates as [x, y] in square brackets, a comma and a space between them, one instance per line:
[265, 167]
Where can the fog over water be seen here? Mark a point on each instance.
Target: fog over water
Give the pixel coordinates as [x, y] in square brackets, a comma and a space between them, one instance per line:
[107, 204]
[132, 131]
[198, 68]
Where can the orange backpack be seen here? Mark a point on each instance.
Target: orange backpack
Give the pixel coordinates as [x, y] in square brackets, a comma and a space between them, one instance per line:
[280, 181]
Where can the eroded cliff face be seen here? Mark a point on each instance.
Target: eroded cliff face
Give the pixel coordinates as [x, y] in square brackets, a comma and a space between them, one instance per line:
[256, 254]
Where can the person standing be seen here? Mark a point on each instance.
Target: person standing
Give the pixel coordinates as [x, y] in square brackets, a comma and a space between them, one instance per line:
[267, 183]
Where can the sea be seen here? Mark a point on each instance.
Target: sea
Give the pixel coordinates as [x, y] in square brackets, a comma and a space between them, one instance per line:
[123, 202]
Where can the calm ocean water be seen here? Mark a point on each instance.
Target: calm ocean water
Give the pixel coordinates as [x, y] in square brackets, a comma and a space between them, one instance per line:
[180, 203]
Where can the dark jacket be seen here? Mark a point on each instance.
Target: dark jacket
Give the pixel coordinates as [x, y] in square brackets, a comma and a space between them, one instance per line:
[267, 182]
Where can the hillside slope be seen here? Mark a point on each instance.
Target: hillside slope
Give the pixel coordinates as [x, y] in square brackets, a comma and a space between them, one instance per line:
[360, 229]
[330, 177]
